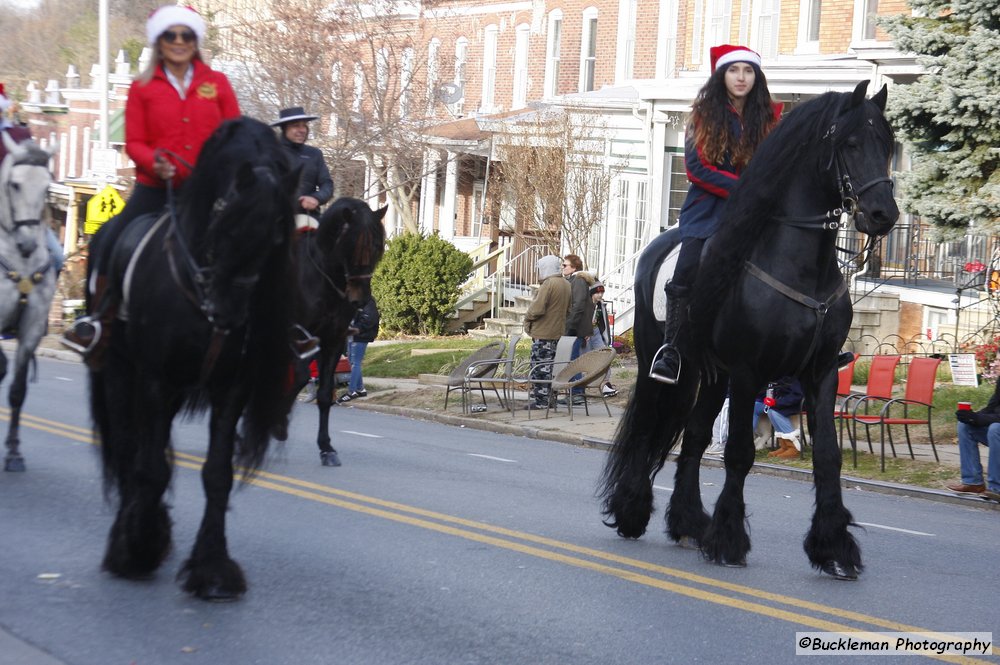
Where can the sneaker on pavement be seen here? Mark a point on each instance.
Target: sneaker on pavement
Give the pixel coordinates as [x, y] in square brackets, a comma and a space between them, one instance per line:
[716, 448]
[346, 397]
[359, 393]
[962, 488]
[608, 390]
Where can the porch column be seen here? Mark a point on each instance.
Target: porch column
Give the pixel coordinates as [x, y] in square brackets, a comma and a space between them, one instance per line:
[446, 223]
[428, 191]
[72, 224]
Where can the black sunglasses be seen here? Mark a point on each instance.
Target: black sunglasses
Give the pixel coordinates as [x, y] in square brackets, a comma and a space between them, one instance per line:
[171, 36]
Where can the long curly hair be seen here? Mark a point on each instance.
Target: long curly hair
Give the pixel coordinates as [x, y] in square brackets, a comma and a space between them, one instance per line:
[711, 125]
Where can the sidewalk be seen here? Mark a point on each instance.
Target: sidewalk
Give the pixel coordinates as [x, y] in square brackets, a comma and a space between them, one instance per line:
[597, 431]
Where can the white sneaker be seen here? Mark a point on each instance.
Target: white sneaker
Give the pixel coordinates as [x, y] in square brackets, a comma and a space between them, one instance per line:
[717, 448]
[608, 390]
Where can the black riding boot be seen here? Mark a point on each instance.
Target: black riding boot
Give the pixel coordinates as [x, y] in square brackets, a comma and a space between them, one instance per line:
[666, 366]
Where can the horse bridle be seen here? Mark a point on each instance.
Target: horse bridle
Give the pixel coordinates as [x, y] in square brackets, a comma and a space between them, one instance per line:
[347, 276]
[25, 282]
[831, 220]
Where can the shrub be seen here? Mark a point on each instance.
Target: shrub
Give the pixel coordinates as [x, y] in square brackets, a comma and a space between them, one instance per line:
[417, 283]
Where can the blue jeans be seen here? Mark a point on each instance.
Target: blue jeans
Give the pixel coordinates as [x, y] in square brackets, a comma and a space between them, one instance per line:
[969, 438]
[355, 354]
[779, 421]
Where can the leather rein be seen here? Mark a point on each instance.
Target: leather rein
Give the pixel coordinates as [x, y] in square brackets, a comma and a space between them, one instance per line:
[832, 220]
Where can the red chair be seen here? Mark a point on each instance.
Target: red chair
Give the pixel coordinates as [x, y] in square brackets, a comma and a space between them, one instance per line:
[845, 381]
[881, 376]
[919, 396]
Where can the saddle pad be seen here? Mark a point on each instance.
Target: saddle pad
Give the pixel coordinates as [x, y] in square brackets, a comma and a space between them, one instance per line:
[663, 274]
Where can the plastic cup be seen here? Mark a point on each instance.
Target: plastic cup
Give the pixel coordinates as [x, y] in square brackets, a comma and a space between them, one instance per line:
[965, 406]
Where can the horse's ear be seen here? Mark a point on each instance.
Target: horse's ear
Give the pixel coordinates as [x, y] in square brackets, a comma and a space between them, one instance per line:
[380, 213]
[858, 96]
[881, 98]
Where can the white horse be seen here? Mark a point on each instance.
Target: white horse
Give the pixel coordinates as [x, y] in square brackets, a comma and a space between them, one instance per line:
[28, 279]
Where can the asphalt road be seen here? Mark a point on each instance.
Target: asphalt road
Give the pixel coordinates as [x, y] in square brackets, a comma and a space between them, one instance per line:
[436, 544]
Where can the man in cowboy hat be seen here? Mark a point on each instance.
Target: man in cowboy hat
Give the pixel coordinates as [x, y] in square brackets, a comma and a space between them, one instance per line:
[315, 183]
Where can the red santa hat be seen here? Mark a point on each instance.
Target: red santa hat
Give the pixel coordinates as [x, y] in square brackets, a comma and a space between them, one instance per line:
[169, 15]
[726, 54]
[4, 102]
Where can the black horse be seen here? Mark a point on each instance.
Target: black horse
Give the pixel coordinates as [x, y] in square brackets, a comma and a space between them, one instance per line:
[203, 325]
[335, 265]
[770, 301]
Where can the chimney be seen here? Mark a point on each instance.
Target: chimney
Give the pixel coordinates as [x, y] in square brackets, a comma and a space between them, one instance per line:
[72, 78]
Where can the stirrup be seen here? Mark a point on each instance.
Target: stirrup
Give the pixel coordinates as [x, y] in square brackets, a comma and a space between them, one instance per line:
[304, 344]
[75, 343]
[669, 380]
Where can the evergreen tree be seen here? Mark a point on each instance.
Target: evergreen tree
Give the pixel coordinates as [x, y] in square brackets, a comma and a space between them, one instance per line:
[950, 117]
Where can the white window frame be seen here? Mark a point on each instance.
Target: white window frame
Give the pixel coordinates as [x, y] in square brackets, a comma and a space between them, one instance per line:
[487, 101]
[337, 94]
[765, 40]
[625, 51]
[666, 50]
[629, 228]
[697, 25]
[461, 55]
[478, 193]
[433, 53]
[863, 9]
[519, 97]
[588, 60]
[359, 87]
[553, 46]
[718, 23]
[406, 82]
[807, 45]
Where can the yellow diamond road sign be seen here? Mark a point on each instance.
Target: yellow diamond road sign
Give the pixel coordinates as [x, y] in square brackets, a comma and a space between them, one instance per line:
[102, 207]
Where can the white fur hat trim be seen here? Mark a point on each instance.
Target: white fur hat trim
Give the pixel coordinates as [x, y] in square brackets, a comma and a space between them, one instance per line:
[169, 15]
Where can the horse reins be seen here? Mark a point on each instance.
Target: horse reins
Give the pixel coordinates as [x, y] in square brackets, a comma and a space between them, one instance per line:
[326, 277]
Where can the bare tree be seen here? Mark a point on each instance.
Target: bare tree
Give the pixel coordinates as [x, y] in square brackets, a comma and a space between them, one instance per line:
[360, 66]
[556, 177]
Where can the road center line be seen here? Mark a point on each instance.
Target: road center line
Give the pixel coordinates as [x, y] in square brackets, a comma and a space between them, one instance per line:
[495, 459]
[896, 528]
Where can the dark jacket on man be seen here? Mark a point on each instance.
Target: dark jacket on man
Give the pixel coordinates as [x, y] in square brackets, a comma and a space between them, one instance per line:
[366, 321]
[315, 180]
[579, 320]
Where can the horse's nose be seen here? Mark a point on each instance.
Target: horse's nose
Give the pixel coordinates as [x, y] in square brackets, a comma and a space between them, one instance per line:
[27, 247]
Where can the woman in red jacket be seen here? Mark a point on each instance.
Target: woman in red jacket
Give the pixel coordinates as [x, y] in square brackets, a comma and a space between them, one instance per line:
[173, 107]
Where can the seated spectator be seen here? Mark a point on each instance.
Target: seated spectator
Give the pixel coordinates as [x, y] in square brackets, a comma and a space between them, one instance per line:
[787, 396]
[975, 428]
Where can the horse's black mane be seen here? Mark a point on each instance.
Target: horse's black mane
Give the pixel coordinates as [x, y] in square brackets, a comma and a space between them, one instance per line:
[805, 139]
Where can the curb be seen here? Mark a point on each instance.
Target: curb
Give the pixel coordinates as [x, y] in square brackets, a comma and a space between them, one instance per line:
[764, 468]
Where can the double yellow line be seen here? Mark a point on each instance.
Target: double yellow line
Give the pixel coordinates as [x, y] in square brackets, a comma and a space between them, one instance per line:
[801, 613]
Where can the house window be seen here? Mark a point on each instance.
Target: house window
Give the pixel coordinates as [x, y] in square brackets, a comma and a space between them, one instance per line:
[489, 69]
[433, 49]
[461, 52]
[631, 218]
[767, 16]
[588, 50]
[675, 187]
[667, 52]
[809, 24]
[719, 23]
[552, 48]
[520, 96]
[478, 191]
[870, 14]
[626, 39]
[382, 76]
[405, 83]
[697, 21]
[336, 95]
[359, 87]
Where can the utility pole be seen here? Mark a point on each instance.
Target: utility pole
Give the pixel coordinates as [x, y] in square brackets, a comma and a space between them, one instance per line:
[102, 86]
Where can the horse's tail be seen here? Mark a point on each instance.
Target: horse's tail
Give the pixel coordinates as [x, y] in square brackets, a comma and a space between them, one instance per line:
[269, 358]
[649, 429]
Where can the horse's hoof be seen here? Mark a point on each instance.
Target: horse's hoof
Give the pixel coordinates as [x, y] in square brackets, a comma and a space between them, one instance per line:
[329, 459]
[15, 464]
[688, 543]
[839, 571]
